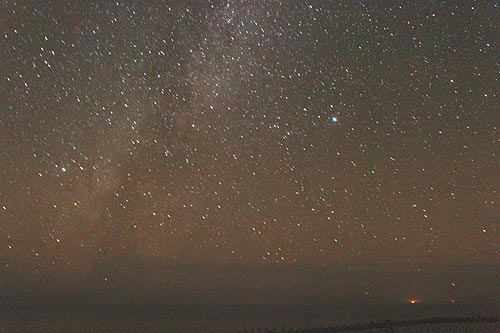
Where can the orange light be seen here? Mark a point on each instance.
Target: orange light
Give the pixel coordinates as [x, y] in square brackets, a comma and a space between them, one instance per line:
[413, 301]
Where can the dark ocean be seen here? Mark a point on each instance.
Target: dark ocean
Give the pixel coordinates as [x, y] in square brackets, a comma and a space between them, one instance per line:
[226, 319]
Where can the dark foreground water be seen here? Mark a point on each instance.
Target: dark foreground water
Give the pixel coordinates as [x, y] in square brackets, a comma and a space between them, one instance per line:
[233, 298]
[225, 318]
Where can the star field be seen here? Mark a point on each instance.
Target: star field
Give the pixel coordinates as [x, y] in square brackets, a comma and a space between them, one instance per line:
[236, 132]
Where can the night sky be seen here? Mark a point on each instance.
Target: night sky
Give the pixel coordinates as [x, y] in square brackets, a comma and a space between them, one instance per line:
[159, 154]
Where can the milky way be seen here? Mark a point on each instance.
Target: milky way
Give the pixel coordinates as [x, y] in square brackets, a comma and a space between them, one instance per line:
[247, 133]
